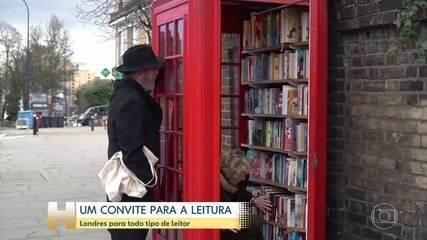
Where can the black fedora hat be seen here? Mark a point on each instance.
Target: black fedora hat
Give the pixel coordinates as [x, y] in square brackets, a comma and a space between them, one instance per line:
[139, 57]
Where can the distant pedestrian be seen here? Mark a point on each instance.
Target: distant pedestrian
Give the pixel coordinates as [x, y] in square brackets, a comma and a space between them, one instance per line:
[104, 120]
[134, 120]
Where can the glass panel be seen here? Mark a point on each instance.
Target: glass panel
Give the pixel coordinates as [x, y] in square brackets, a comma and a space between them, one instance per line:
[180, 113]
[180, 235]
[229, 79]
[162, 148]
[180, 153]
[162, 40]
[229, 139]
[171, 38]
[180, 188]
[180, 37]
[180, 74]
[169, 144]
[230, 47]
[170, 111]
[229, 112]
[171, 234]
[163, 106]
[170, 78]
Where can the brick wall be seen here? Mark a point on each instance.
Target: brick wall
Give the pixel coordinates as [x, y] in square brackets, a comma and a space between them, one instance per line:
[377, 124]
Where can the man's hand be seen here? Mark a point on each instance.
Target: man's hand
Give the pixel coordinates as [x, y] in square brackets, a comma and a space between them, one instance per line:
[262, 203]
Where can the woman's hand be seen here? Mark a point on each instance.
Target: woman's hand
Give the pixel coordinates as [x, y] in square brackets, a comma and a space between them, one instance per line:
[262, 203]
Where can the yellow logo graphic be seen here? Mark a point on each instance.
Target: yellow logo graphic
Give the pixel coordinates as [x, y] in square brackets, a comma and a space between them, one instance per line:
[68, 215]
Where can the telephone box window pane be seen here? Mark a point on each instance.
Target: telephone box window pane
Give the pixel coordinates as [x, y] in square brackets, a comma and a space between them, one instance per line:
[229, 139]
[163, 106]
[229, 79]
[180, 153]
[170, 113]
[162, 40]
[230, 47]
[180, 72]
[180, 114]
[171, 38]
[180, 36]
[170, 76]
[162, 148]
[229, 112]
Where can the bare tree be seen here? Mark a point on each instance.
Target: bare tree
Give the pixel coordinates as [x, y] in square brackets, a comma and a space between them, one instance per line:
[58, 52]
[9, 42]
[100, 12]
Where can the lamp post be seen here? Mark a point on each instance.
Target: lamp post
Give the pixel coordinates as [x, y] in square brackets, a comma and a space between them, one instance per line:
[26, 100]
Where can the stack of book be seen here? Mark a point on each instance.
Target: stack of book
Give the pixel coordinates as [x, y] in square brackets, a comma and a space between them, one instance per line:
[289, 135]
[289, 25]
[288, 100]
[288, 210]
[295, 100]
[271, 232]
[295, 135]
[266, 133]
[263, 101]
[290, 64]
[278, 168]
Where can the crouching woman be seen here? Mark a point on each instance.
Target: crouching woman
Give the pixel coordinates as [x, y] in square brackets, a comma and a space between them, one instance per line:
[234, 179]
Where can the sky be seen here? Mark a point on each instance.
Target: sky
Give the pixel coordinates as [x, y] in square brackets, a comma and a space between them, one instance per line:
[89, 46]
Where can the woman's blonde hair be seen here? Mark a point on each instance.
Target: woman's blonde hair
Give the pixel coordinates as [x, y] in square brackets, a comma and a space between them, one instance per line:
[234, 162]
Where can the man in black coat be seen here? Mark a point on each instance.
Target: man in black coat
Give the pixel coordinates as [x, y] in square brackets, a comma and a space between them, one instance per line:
[134, 120]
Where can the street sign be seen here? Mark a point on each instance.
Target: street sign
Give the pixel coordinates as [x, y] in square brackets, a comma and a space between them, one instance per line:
[105, 72]
[118, 75]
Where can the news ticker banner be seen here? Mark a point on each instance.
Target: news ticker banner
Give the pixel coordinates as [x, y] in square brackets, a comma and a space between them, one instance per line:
[156, 215]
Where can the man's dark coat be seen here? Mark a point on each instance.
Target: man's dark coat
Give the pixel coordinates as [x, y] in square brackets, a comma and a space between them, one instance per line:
[134, 120]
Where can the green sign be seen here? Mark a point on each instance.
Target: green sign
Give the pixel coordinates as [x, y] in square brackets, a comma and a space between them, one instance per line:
[118, 75]
[105, 72]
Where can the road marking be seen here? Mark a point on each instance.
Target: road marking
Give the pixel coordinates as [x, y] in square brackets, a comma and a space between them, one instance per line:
[12, 137]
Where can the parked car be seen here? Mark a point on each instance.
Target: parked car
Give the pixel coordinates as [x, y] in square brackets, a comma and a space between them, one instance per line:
[97, 111]
[25, 120]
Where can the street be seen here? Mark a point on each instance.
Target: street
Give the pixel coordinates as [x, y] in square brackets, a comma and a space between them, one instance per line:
[57, 165]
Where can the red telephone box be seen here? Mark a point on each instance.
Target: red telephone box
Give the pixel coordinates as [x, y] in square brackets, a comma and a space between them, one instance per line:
[187, 33]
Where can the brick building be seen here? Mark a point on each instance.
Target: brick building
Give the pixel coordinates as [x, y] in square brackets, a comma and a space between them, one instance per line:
[377, 123]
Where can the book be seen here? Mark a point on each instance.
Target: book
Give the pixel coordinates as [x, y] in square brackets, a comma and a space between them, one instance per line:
[258, 40]
[305, 31]
[289, 144]
[278, 168]
[230, 47]
[247, 38]
[301, 137]
[266, 133]
[290, 25]
[301, 63]
[289, 100]
[264, 101]
[290, 64]
[288, 210]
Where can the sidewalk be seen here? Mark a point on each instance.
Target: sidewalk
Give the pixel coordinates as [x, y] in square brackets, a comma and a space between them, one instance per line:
[57, 165]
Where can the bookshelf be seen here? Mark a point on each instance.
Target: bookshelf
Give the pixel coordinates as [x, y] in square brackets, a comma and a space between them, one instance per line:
[279, 48]
[267, 182]
[277, 150]
[254, 115]
[290, 229]
[273, 127]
